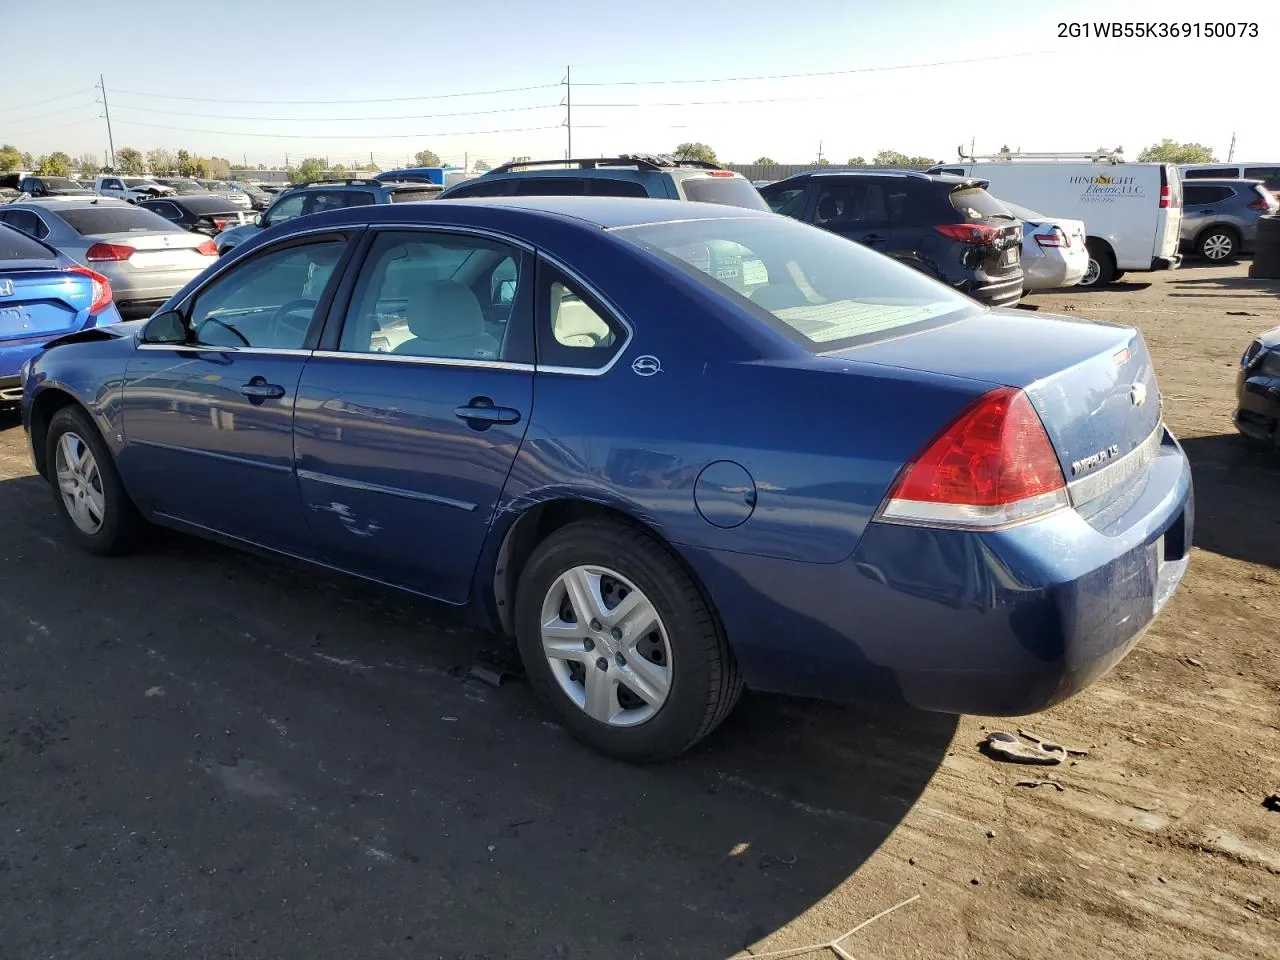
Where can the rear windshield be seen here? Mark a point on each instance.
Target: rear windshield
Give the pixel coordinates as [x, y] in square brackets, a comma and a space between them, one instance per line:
[816, 288]
[209, 204]
[409, 196]
[974, 203]
[15, 245]
[95, 220]
[730, 191]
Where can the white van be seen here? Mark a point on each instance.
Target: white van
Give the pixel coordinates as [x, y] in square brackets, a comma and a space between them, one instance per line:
[1268, 173]
[1132, 211]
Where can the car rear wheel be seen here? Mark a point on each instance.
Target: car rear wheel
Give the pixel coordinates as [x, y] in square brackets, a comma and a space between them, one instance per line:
[87, 491]
[1218, 245]
[1102, 266]
[619, 643]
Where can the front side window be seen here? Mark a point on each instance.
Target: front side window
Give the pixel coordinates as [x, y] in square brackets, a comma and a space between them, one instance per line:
[285, 209]
[436, 295]
[267, 301]
[813, 287]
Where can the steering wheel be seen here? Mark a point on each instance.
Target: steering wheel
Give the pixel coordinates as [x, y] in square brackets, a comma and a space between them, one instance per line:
[225, 326]
[278, 324]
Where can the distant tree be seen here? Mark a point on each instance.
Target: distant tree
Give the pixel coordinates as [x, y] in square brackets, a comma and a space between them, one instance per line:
[160, 161]
[130, 161]
[185, 164]
[338, 172]
[312, 168]
[1167, 151]
[10, 158]
[766, 162]
[824, 162]
[856, 162]
[88, 164]
[28, 161]
[200, 168]
[480, 166]
[373, 168]
[426, 158]
[56, 164]
[696, 151]
[219, 167]
[890, 159]
[922, 162]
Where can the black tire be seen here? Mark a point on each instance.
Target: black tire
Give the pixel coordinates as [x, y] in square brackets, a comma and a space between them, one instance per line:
[1218, 244]
[1117, 275]
[1102, 265]
[122, 527]
[704, 679]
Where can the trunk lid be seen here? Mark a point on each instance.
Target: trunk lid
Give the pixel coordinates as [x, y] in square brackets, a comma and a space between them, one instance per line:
[160, 250]
[1092, 383]
[41, 300]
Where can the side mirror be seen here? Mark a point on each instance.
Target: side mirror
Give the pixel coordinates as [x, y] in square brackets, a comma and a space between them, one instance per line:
[505, 294]
[258, 221]
[167, 327]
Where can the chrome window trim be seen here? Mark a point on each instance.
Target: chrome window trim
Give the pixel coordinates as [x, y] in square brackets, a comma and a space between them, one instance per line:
[428, 361]
[419, 227]
[609, 306]
[1088, 488]
[210, 348]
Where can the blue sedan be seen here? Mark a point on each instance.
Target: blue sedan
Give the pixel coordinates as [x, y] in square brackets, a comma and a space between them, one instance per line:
[672, 449]
[43, 295]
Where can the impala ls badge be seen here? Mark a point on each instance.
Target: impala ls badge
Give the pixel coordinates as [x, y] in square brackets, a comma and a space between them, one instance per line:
[6, 288]
[1088, 463]
[1138, 394]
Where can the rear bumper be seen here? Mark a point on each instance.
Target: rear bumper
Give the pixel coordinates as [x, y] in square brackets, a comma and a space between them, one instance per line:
[1051, 272]
[1005, 292]
[1004, 623]
[10, 391]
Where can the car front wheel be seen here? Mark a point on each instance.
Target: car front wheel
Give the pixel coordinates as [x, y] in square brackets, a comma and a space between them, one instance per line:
[619, 643]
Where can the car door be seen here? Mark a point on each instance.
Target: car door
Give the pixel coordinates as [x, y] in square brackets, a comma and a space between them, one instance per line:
[209, 422]
[1199, 205]
[411, 412]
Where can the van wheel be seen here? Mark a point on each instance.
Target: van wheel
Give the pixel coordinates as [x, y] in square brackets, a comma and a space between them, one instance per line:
[1102, 266]
[1218, 245]
[1117, 275]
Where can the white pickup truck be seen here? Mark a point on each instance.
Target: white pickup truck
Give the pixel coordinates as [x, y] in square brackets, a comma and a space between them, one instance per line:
[132, 189]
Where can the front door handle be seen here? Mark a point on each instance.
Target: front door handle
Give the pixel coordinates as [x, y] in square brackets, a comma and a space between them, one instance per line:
[873, 238]
[259, 389]
[481, 411]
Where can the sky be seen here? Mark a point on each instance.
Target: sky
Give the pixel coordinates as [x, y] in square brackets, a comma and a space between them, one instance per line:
[261, 82]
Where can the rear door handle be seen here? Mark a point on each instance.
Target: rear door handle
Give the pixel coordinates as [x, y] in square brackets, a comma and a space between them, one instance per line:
[259, 389]
[482, 411]
[873, 238]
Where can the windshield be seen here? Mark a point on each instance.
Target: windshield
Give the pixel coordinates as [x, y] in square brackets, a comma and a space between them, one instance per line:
[88, 221]
[1022, 213]
[820, 290]
[730, 191]
[138, 182]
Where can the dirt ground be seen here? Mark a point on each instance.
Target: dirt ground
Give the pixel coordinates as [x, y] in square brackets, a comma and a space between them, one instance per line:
[206, 754]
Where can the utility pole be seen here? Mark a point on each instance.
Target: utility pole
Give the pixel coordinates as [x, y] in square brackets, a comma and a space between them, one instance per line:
[1231, 151]
[568, 109]
[819, 153]
[106, 112]
[972, 141]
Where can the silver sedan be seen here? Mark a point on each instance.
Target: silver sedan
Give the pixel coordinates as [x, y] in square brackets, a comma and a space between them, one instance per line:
[146, 258]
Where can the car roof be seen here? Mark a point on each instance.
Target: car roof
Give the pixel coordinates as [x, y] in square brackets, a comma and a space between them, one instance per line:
[606, 213]
[876, 172]
[1222, 181]
[72, 203]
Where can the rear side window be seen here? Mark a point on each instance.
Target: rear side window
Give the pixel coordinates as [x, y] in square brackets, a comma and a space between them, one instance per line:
[549, 187]
[1196, 196]
[609, 187]
[914, 203]
[974, 203]
[18, 246]
[729, 191]
[490, 188]
[95, 220]
[1269, 174]
[27, 222]
[1206, 173]
[412, 196]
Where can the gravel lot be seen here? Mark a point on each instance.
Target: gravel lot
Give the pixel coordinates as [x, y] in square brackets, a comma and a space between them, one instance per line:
[205, 754]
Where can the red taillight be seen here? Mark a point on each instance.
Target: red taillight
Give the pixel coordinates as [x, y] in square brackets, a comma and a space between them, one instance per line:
[720, 173]
[208, 248]
[220, 223]
[1166, 197]
[100, 252]
[1260, 204]
[969, 232]
[1054, 238]
[101, 287]
[993, 466]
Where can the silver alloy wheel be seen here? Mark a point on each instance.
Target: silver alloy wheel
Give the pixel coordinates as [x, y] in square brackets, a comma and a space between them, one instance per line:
[606, 645]
[1091, 273]
[80, 483]
[1218, 246]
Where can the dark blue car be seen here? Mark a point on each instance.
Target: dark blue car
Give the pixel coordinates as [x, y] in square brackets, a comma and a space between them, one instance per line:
[43, 295]
[673, 449]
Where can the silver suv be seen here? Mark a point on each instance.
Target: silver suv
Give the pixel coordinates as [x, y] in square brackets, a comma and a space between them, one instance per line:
[1220, 217]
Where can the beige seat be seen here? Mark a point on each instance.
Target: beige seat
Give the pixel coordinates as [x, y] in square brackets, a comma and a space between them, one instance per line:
[575, 324]
[446, 321]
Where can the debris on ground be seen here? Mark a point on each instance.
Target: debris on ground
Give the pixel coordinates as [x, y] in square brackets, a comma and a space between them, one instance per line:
[1052, 745]
[1005, 746]
[1272, 802]
[1037, 783]
[1240, 313]
[492, 667]
[1192, 662]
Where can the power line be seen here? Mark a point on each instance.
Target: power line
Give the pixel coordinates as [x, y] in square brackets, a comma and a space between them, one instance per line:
[434, 96]
[38, 103]
[59, 126]
[820, 73]
[423, 116]
[340, 136]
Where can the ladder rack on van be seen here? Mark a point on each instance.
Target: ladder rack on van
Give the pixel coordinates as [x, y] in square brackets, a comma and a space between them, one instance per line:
[1096, 156]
